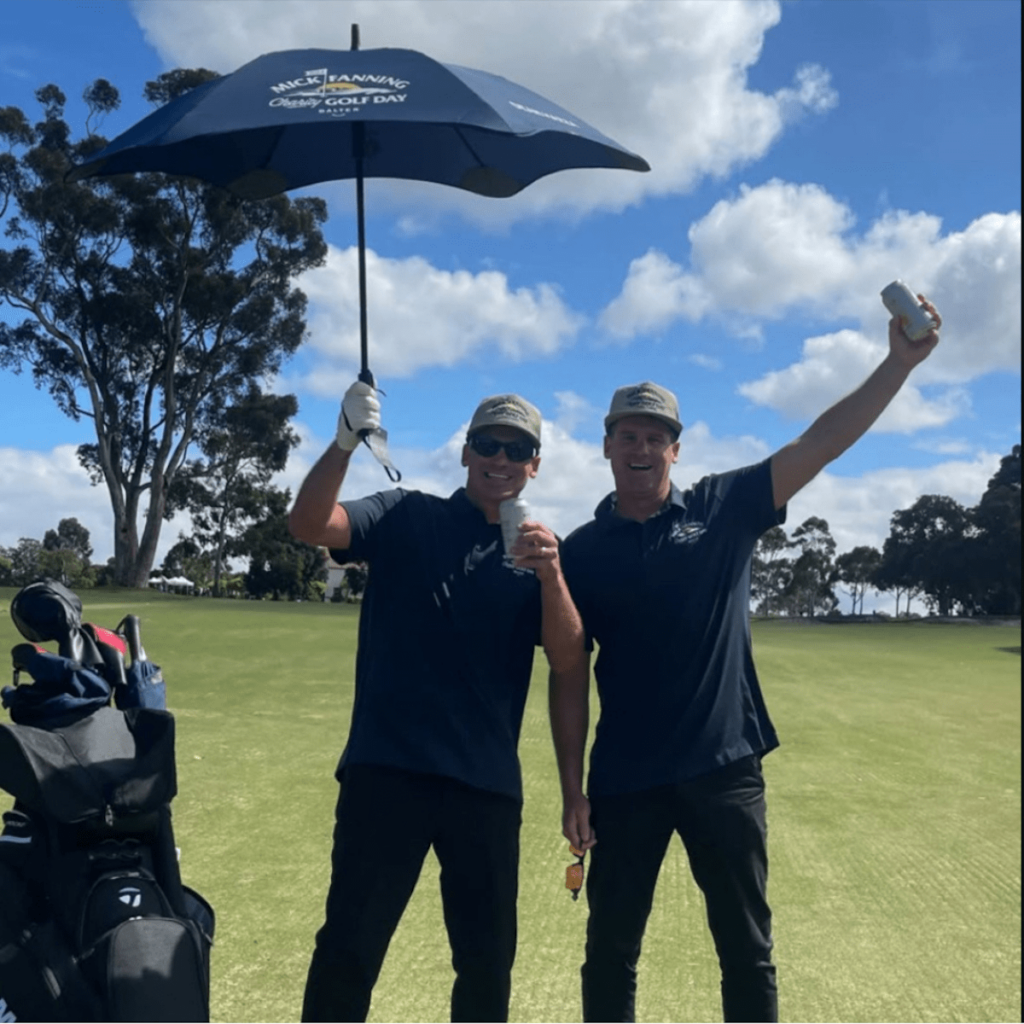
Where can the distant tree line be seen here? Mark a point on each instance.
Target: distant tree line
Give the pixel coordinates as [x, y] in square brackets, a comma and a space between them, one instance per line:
[63, 554]
[956, 560]
[280, 567]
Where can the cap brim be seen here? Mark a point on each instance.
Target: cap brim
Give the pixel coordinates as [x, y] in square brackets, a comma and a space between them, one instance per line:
[667, 420]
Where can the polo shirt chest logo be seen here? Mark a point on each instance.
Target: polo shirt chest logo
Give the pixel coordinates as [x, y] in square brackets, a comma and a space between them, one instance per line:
[476, 557]
[508, 562]
[686, 533]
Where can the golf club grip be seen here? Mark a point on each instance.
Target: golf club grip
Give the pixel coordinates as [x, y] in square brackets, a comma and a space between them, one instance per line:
[129, 629]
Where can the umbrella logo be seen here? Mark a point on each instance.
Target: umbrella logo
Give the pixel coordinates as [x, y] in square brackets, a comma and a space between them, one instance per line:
[321, 88]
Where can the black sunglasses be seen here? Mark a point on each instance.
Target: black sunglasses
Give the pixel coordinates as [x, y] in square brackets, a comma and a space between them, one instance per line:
[487, 447]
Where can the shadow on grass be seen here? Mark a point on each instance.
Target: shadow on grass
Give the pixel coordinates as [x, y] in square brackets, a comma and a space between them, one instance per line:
[1009, 650]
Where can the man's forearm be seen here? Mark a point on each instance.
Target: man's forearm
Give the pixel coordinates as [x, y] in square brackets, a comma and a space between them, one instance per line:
[851, 417]
[835, 430]
[561, 626]
[569, 709]
[311, 515]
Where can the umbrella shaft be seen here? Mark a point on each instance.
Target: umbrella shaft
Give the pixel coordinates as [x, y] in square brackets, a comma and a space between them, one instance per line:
[364, 372]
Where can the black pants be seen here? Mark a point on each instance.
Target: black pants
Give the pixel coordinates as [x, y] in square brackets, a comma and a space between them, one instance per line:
[387, 819]
[721, 820]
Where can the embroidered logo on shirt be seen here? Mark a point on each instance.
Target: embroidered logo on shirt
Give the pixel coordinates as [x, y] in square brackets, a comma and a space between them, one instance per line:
[476, 556]
[508, 562]
[685, 533]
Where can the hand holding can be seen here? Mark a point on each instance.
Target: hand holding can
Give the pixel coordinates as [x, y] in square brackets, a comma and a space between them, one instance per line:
[513, 512]
[915, 322]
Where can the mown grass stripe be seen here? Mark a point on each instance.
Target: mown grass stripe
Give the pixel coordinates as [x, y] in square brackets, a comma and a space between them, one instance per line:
[894, 816]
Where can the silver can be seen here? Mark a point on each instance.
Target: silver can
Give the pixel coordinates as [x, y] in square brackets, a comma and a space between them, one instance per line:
[903, 304]
[513, 512]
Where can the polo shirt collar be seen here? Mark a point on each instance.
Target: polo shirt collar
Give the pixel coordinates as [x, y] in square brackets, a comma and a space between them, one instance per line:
[605, 511]
[464, 507]
[460, 500]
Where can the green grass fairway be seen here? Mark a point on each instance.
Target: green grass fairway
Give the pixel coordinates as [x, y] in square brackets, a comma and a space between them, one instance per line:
[894, 813]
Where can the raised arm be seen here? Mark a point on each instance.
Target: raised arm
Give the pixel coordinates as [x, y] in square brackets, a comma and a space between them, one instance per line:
[840, 426]
[316, 517]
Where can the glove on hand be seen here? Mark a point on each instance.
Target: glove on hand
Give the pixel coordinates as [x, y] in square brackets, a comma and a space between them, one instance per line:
[360, 410]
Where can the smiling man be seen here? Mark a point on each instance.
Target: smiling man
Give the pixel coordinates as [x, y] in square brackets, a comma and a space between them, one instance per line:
[661, 578]
[446, 638]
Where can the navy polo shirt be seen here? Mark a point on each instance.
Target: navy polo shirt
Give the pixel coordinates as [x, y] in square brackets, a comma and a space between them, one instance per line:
[667, 602]
[446, 639]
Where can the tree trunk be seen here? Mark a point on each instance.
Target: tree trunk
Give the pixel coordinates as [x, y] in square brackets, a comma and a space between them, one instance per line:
[218, 553]
[126, 540]
[146, 553]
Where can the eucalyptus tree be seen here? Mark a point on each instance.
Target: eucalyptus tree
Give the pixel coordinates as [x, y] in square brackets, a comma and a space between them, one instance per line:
[229, 489]
[145, 304]
[809, 591]
[771, 571]
[997, 519]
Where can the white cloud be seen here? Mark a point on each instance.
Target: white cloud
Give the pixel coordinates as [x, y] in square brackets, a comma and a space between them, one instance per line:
[39, 489]
[705, 362]
[812, 91]
[656, 293]
[421, 316]
[574, 476]
[859, 509]
[944, 446]
[783, 248]
[35, 485]
[630, 68]
[574, 410]
[831, 366]
[701, 453]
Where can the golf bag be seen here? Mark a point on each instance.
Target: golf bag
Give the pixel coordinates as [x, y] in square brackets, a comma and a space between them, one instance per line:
[95, 923]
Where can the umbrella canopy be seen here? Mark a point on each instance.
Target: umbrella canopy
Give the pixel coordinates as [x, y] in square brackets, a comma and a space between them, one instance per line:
[298, 117]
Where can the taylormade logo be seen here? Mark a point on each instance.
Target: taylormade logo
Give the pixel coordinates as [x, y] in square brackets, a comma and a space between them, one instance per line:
[130, 896]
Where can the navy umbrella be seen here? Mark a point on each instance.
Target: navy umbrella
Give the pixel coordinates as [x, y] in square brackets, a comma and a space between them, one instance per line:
[298, 117]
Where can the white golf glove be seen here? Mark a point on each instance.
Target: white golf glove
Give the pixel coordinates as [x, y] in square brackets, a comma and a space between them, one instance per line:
[360, 410]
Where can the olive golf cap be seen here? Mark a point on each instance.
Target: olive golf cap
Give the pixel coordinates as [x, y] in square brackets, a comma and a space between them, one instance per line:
[507, 411]
[644, 399]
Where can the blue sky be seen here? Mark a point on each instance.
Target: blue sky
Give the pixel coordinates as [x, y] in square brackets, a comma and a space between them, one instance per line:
[803, 155]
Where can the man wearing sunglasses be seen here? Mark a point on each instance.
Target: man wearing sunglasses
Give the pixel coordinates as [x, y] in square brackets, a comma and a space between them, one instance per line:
[446, 639]
[662, 581]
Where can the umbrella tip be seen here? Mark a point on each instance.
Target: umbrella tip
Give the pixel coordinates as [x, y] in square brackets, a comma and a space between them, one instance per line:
[355, 37]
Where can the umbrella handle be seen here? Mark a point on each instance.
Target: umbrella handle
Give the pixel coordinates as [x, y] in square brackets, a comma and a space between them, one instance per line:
[377, 440]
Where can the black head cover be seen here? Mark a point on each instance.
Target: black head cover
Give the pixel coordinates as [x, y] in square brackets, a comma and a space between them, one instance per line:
[46, 610]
